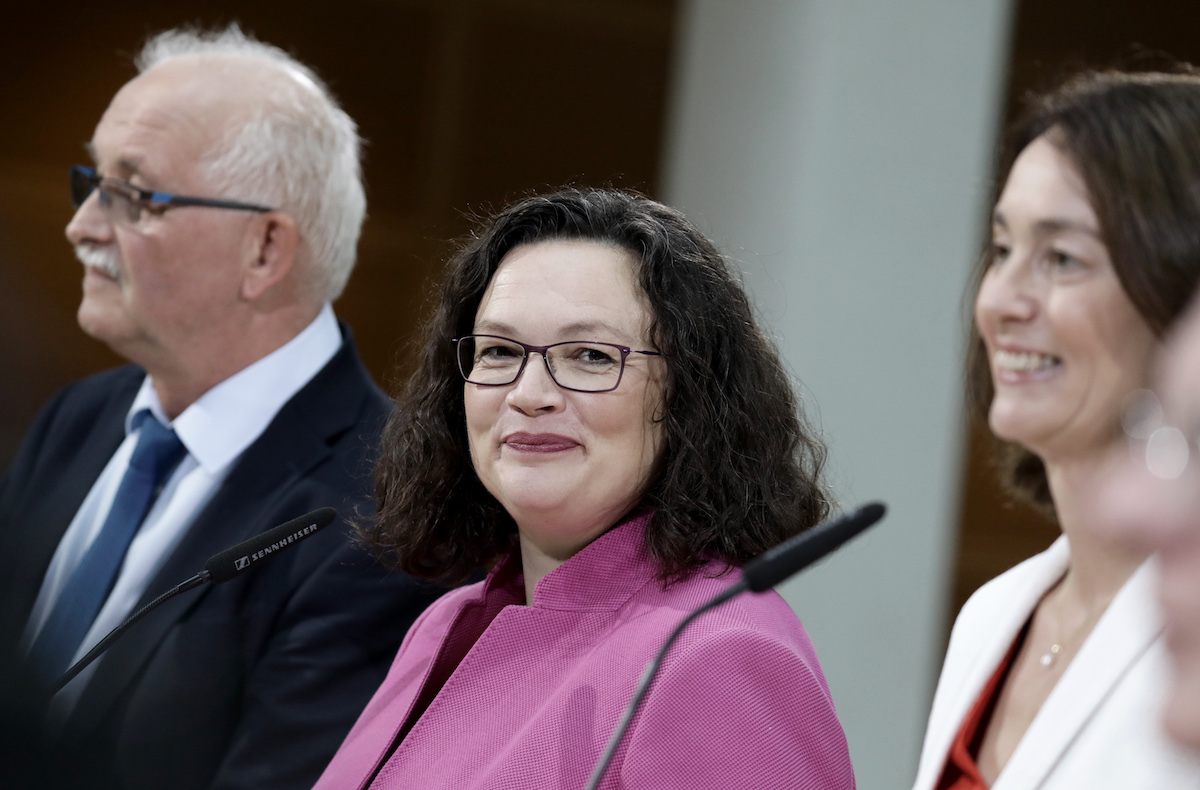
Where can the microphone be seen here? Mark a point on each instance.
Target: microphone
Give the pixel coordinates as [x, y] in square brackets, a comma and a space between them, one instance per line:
[794, 555]
[758, 575]
[220, 568]
[246, 555]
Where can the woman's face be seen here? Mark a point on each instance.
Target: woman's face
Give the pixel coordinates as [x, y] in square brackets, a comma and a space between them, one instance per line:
[1065, 345]
[566, 465]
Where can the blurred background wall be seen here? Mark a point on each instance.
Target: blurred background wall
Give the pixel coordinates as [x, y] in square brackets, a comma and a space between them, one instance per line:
[839, 150]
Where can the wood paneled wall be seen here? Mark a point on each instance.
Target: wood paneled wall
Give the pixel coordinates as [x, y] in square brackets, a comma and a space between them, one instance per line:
[465, 104]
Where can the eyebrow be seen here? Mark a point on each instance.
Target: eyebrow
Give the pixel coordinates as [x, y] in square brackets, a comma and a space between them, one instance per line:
[578, 328]
[1048, 227]
[125, 165]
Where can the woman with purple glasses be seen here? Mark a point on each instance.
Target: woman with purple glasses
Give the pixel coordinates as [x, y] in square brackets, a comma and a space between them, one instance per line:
[597, 419]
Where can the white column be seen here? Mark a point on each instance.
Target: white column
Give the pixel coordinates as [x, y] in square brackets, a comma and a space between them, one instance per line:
[840, 151]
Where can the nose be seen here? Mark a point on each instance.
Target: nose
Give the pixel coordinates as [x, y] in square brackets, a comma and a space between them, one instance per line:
[1006, 295]
[534, 391]
[90, 225]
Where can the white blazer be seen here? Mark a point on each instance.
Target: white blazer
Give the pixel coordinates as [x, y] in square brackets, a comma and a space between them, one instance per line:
[1099, 728]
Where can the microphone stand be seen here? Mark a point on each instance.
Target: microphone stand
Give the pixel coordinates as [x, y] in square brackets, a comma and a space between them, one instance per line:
[648, 676]
[760, 574]
[220, 568]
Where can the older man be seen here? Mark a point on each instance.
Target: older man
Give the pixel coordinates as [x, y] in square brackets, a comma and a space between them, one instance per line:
[218, 223]
[1152, 503]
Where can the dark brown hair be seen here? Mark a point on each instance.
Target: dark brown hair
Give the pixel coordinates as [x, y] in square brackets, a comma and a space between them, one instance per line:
[1134, 137]
[740, 468]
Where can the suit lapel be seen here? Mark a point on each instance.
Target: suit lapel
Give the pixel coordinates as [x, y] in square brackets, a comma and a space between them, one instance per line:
[297, 439]
[75, 470]
[1124, 633]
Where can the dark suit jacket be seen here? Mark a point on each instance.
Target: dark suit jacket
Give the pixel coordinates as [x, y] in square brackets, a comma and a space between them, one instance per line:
[253, 683]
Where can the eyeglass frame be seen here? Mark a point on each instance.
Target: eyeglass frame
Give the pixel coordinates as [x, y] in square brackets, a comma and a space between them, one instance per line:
[148, 199]
[529, 349]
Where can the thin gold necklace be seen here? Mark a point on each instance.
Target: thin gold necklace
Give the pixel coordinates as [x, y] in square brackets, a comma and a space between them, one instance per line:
[1049, 658]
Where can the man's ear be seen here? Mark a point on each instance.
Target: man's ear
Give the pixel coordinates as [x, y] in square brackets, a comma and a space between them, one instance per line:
[271, 243]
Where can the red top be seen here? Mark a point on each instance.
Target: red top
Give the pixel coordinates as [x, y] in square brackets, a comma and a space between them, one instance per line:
[961, 771]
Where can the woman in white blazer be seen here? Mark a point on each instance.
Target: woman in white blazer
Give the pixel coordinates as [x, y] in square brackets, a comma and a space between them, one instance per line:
[1055, 670]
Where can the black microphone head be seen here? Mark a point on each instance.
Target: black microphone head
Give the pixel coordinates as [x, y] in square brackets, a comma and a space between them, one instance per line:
[238, 559]
[794, 555]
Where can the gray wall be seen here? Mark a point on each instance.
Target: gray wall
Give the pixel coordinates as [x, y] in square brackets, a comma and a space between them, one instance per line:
[840, 151]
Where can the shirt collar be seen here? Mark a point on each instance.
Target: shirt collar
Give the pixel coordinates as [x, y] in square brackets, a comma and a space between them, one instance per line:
[228, 418]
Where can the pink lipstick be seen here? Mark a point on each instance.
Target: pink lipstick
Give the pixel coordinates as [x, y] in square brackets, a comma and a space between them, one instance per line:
[539, 442]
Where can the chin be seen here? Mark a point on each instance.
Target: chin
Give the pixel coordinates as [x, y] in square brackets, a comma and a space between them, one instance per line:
[1009, 423]
[540, 485]
[94, 322]
[557, 512]
[113, 331]
[1041, 432]
[530, 498]
[550, 505]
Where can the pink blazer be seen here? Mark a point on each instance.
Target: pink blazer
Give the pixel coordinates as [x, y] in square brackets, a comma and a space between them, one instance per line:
[740, 700]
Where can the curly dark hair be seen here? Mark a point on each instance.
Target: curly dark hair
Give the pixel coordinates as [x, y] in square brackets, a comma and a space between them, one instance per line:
[740, 469]
[1135, 139]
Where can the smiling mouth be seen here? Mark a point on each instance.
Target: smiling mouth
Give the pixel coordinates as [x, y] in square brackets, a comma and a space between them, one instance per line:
[539, 443]
[1024, 361]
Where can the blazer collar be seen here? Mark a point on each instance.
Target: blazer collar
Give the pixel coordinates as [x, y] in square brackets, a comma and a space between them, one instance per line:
[603, 575]
[985, 631]
[1027, 585]
[1124, 633]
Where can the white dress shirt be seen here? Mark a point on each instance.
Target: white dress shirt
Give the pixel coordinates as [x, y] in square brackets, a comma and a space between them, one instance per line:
[215, 430]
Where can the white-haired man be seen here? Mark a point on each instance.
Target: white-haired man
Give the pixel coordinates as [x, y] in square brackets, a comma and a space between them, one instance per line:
[218, 223]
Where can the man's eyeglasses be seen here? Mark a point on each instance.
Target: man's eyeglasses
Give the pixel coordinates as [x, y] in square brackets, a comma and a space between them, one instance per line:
[578, 365]
[122, 202]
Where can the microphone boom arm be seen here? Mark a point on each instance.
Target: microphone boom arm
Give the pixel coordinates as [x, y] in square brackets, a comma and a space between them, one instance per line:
[220, 568]
[203, 577]
[648, 676]
[759, 575]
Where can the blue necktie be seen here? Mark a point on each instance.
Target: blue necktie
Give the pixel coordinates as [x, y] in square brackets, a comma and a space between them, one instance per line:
[156, 455]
